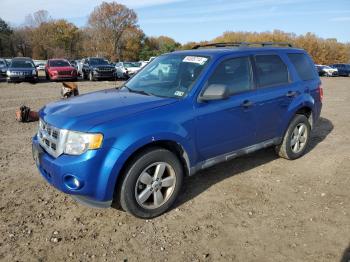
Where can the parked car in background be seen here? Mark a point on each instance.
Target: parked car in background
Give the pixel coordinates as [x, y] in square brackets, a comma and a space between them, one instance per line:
[95, 68]
[74, 63]
[343, 69]
[320, 70]
[127, 69]
[41, 66]
[134, 145]
[327, 70]
[143, 63]
[22, 69]
[3, 67]
[60, 69]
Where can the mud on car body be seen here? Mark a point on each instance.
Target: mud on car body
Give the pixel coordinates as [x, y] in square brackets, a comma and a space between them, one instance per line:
[133, 146]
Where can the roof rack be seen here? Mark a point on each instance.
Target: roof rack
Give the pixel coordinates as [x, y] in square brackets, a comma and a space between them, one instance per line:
[244, 44]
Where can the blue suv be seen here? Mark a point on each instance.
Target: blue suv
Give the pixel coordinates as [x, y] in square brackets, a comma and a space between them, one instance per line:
[183, 112]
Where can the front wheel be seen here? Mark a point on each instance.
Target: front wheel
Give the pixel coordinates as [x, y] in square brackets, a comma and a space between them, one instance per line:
[151, 184]
[296, 139]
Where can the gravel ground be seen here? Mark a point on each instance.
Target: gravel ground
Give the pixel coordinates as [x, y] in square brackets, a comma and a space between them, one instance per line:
[255, 208]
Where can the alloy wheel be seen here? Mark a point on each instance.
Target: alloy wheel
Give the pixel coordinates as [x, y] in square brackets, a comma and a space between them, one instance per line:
[155, 185]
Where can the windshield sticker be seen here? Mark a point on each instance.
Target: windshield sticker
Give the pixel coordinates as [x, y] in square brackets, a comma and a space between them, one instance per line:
[195, 59]
[179, 93]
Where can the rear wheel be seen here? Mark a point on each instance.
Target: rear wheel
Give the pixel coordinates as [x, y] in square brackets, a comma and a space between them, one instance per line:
[296, 139]
[151, 184]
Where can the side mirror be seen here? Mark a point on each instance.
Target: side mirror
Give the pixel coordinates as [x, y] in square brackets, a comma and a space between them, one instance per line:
[215, 92]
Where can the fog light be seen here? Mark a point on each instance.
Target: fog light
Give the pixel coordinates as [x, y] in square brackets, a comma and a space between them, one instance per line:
[72, 182]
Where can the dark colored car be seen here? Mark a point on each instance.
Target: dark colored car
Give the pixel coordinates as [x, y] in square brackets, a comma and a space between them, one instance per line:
[134, 145]
[95, 68]
[60, 69]
[343, 69]
[22, 69]
[3, 67]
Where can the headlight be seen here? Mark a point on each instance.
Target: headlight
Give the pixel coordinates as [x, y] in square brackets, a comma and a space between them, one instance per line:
[34, 72]
[78, 143]
[8, 72]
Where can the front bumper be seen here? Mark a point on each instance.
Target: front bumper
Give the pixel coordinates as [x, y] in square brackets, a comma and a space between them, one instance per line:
[95, 170]
[22, 78]
[103, 75]
[64, 77]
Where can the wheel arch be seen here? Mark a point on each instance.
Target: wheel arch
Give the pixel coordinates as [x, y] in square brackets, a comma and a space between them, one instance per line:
[171, 145]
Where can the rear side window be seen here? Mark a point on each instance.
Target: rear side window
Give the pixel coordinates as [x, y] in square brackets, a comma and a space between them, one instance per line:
[234, 73]
[271, 70]
[303, 66]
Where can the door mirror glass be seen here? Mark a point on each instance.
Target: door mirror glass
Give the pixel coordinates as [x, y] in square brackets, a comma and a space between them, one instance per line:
[215, 92]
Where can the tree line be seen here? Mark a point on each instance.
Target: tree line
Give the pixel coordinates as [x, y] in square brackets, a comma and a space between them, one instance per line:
[113, 32]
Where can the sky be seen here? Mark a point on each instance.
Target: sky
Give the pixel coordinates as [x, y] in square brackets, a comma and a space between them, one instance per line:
[198, 20]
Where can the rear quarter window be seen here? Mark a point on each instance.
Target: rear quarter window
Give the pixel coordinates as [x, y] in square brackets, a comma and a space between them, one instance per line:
[303, 66]
[271, 70]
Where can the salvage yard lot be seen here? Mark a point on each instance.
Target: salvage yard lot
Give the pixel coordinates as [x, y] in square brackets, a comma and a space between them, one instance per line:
[254, 208]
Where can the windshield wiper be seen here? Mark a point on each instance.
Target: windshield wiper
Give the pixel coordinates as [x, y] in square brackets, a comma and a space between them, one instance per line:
[137, 91]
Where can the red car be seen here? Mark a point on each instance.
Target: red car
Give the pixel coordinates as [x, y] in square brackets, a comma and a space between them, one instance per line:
[60, 69]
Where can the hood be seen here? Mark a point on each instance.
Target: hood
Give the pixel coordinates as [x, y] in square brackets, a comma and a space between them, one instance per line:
[83, 112]
[20, 69]
[62, 68]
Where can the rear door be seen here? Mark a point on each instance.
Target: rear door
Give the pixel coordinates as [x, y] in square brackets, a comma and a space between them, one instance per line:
[223, 126]
[275, 93]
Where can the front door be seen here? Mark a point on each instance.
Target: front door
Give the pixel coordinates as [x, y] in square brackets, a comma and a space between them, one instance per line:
[223, 126]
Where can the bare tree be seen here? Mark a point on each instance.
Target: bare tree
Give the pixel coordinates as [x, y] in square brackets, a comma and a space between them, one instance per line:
[108, 22]
[37, 18]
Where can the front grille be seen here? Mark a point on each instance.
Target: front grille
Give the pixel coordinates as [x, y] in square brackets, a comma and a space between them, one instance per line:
[51, 138]
[105, 69]
[21, 73]
[62, 73]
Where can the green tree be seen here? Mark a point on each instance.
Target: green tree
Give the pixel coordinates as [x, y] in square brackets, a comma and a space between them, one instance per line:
[5, 39]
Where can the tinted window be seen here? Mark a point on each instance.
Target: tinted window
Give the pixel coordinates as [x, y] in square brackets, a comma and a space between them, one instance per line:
[303, 66]
[234, 73]
[22, 64]
[59, 63]
[271, 70]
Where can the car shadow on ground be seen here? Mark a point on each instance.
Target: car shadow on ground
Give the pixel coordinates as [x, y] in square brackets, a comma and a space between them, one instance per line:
[200, 182]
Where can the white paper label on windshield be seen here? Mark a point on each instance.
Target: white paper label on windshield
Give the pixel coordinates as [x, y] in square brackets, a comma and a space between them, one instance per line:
[195, 59]
[179, 93]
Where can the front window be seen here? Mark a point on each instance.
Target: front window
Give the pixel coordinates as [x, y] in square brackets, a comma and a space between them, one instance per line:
[98, 61]
[59, 63]
[168, 76]
[2, 63]
[22, 64]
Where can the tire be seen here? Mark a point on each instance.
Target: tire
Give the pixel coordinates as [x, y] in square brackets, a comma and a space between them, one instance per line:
[295, 140]
[138, 190]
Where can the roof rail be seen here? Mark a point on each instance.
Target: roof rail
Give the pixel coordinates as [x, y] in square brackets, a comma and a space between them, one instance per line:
[243, 44]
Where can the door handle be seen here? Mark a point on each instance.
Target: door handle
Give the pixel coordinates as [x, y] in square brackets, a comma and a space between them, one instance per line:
[292, 94]
[247, 104]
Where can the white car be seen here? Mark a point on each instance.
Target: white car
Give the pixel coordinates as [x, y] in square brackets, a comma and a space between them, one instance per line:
[327, 70]
[127, 69]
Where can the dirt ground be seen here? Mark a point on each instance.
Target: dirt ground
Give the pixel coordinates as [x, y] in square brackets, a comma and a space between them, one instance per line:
[255, 208]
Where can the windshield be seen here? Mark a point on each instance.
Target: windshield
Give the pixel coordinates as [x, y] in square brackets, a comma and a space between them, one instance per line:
[168, 76]
[2, 63]
[98, 61]
[132, 64]
[22, 64]
[59, 63]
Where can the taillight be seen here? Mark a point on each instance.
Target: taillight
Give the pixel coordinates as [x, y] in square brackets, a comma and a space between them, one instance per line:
[320, 91]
